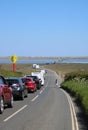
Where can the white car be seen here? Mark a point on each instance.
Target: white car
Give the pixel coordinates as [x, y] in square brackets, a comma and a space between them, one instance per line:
[36, 66]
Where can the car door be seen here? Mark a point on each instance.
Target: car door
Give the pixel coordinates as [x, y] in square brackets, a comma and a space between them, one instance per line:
[24, 89]
[7, 92]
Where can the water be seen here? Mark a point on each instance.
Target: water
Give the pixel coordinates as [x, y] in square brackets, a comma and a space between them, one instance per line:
[85, 61]
[45, 61]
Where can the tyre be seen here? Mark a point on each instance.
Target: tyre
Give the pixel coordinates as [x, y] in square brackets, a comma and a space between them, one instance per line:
[10, 104]
[22, 96]
[1, 105]
[26, 95]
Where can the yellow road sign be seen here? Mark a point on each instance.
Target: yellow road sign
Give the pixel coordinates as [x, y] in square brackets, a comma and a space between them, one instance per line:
[14, 58]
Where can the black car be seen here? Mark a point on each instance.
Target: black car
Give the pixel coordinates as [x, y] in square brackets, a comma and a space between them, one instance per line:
[19, 89]
[37, 81]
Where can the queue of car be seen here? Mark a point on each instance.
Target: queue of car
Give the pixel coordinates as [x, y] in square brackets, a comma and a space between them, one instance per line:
[12, 88]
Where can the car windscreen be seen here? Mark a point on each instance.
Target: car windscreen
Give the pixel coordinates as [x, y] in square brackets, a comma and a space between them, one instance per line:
[26, 79]
[12, 81]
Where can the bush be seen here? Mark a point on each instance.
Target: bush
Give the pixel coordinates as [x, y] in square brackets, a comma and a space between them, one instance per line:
[76, 75]
[78, 89]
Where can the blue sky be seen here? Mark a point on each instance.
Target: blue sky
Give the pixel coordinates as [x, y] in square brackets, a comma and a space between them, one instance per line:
[44, 27]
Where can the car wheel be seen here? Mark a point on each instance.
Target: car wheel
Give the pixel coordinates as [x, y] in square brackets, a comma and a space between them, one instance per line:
[10, 104]
[22, 96]
[1, 105]
[35, 88]
[26, 95]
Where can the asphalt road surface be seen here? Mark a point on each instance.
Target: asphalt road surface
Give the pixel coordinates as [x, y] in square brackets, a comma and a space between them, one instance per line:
[47, 109]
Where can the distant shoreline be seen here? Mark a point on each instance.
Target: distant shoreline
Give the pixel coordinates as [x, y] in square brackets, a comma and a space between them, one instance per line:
[41, 58]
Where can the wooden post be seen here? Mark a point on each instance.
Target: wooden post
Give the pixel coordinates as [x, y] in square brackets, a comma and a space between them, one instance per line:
[14, 67]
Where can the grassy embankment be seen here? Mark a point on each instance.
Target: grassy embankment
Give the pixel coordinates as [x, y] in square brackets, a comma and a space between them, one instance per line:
[75, 81]
[21, 70]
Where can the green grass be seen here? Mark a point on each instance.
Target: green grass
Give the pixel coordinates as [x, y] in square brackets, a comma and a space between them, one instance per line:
[79, 89]
[10, 73]
[21, 70]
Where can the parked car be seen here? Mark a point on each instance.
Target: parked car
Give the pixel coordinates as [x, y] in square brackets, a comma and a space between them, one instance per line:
[39, 75]
[36, 66]
[6, 96]
[36, 79]
[30, 84]
[18, 87]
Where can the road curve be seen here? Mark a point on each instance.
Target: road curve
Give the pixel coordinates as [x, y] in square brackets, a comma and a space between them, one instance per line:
[46, 109]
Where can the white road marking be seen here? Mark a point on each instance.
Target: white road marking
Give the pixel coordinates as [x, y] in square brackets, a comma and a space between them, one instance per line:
[44, 88]
[46, 85]
[73, 114]
[15, 113]
[41, 91]
[34, 98]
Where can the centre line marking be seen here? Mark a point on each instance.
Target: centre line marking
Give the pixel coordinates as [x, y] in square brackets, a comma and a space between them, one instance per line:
[41, 91]
[34, 98]
[15, 113]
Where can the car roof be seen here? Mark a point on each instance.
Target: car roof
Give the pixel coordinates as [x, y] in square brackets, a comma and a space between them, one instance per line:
[26, 78]
[17, 78]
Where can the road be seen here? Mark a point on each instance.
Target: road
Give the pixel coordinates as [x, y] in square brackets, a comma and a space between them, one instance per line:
[46, 109]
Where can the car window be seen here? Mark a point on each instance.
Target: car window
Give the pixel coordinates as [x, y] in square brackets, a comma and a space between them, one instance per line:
[1, 80]
[20, 81]
[26, 80]
[12, 81]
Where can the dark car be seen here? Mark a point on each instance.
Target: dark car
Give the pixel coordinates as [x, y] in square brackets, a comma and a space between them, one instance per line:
[6, 96]
[18, 87]
[36, 79]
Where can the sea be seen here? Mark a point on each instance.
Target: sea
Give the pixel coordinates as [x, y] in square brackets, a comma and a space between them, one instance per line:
[45, 61]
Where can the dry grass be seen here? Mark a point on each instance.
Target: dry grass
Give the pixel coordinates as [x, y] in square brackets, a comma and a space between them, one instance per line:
[64, 68]
[61, 68]
[24, 68]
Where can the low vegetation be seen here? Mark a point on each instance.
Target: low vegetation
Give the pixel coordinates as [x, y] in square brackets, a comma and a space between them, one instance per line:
[6, 73]
[77, 85]
[21, 70]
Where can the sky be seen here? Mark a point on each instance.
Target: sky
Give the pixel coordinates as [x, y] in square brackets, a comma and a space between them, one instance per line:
[44, 27]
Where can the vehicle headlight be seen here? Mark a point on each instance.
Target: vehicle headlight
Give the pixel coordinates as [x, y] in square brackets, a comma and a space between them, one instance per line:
[18, 88]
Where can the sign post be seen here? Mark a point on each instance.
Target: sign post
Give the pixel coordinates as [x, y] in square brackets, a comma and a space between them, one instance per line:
[14, 60]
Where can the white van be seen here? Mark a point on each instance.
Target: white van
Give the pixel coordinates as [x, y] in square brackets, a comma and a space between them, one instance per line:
[43, 72]
[39, 75]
